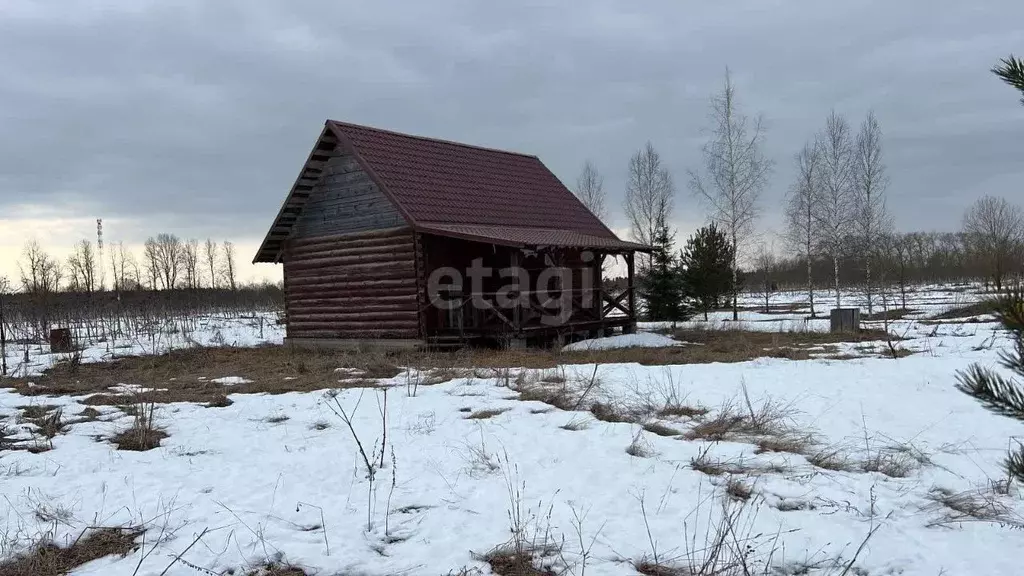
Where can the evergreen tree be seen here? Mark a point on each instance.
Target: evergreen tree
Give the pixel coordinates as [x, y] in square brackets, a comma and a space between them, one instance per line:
[660, 284]
[706, 264]
[1011, 71]
[997, 393]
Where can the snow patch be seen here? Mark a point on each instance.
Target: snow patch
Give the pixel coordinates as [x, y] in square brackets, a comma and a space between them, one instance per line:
[230, 380]
[638, 340]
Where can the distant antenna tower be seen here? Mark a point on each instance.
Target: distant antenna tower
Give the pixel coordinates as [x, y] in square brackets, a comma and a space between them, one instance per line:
[99, 251]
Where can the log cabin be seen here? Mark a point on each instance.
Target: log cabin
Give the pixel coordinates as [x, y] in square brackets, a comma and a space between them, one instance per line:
[401, 240]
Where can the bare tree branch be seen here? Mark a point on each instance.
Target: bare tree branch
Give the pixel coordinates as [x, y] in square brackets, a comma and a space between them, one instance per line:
[871, 219]
[649, 195]
[835, 205]
[590, 190]
[801, 231]
[994, 230]
[735, 171]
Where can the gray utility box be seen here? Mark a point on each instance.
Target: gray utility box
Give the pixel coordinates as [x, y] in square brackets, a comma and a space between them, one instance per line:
[845, 320]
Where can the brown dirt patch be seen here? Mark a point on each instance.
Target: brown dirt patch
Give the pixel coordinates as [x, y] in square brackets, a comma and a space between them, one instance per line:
[967, 311]
[186, 374]
[487, 413]
[48, 559]
[278, 570]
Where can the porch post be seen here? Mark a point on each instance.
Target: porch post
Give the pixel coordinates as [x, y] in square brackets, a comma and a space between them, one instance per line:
[631, 287]
[516, 306]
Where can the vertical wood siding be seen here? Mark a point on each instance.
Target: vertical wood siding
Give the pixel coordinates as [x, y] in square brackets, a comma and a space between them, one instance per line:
[345, 200]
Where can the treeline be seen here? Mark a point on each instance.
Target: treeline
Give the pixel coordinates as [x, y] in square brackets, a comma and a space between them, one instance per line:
[28, 317]
[838, 230]
[172, 281]
[166, 262]
[905, 259]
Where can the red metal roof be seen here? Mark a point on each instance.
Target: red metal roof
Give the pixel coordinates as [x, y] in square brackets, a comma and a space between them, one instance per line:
[453, 189]
[509, 236]
[450, 183]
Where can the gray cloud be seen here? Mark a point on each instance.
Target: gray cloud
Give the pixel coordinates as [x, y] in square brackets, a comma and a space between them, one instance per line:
[196, 118]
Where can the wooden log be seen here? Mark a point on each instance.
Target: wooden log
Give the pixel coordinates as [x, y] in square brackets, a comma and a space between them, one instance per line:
[381, 300]
[353, 237]
[343, 277]
[397, 281]
[354, 325]
[334, 251]
[352, 261]
[353, 334]
[345, 318]
[296, 295]
[368, 268]
[346, 244]
[366, 307]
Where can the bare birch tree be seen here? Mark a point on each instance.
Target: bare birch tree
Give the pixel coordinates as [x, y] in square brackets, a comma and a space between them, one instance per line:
[835, 205]
[871, 219]
[801, 231]
[190, 263]
[210, 257]
[164, 259]
[649, 195]
[41, 276]
[40, 272]
[994, 230]
[736, 171]
[766, 264]
[590, 190]
[151, 262]
[83, 266]
[121, 262]
[229, 265]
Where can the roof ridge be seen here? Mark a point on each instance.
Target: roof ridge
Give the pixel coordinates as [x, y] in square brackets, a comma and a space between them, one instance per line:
[342, 125]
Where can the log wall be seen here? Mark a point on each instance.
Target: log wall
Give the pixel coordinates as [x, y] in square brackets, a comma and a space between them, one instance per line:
[352, 286]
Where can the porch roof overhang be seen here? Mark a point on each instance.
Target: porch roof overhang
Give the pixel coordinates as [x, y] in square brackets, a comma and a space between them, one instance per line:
[521, 237]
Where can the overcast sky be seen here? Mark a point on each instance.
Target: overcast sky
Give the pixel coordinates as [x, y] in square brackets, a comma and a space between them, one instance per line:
[194, 117]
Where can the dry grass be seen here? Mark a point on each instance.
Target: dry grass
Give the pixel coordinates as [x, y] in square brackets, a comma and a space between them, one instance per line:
[143, 434]
[681, 411]
[967, 311]
[486, 413]
[831, 458]
[769, 419]
[220, 401]
[648, 568]
[894, 314]
[277, 419]
[705, 464]
[892, 464]
[276, 569]
[277, 369]
[793, 444]
[505, 561]
[575, 425]
[610, 413]
[743, 345]
[980, 505]
[661, 429]
[640, 447]
[738, 490]
[48, 559]
[89, 413]
[36, 411]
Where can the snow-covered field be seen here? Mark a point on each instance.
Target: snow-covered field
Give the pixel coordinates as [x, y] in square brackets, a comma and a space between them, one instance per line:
[863, 446]
[211, 330]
